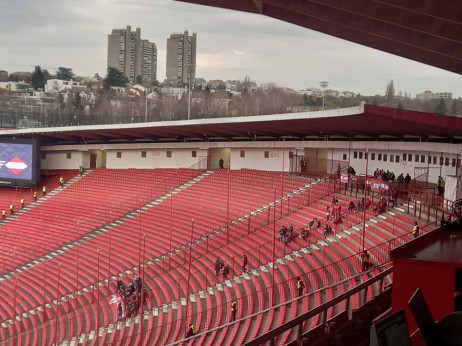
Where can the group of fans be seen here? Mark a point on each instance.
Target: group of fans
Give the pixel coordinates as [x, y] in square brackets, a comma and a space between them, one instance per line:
[129, 298]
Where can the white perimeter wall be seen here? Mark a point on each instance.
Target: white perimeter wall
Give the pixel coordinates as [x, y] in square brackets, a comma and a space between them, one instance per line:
[155, 158]
[413, 165]
[254, 158]
[253, 155]
[61, 160]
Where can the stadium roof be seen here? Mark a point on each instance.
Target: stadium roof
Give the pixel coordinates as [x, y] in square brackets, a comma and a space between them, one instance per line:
[428, 31]
[365, 122]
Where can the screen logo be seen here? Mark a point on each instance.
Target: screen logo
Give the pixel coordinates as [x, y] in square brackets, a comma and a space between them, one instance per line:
[16, 165]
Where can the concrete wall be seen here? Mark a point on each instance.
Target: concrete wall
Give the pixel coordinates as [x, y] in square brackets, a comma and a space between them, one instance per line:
[254, 158]
[155, 158]
[393, 160]
[60, 160]
[254, 155]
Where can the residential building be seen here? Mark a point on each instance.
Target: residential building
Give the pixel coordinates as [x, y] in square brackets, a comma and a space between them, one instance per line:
[428, 95]
[3, 76]
[443, 95]
[57, 85]
[129, 54]
[181, 58]
[14, 86]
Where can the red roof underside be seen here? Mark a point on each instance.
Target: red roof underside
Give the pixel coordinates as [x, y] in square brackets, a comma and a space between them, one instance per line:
[428, 31]
[374, 123]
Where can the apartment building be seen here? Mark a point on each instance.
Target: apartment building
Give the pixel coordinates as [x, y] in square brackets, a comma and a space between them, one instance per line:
[181, 58]
[133, 56]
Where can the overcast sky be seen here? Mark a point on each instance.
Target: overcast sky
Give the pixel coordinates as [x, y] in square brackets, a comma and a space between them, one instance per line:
[230, 45]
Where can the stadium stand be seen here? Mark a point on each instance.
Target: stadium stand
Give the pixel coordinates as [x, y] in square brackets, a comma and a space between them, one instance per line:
[156, 234]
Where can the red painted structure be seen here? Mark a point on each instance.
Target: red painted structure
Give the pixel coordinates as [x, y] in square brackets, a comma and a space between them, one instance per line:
[428, 262]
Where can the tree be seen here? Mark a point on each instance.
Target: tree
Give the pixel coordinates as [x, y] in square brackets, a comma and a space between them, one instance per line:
[38, 79]
[114, 78]
[139, 79]
[47, 75]
[440, 107]
[65, 73]
[390, 93]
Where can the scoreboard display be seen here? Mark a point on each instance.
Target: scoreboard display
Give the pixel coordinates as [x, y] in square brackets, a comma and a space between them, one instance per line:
[19, 162]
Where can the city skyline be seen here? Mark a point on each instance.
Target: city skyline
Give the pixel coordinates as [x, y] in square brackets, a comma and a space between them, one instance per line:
[232, 45]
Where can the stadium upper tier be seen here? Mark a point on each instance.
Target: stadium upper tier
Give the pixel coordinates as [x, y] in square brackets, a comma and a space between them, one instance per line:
[365, 122]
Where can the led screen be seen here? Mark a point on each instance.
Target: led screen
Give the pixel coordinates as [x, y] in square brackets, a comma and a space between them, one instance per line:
[18, 162]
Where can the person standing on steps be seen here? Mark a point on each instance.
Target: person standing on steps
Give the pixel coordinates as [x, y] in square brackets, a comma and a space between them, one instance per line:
[233, 310]
[44, 191]
[221, 163]
[244, 263]
[11, 208]
[366, 260]
[415, 230]
[35, 196]
[22, 202]
[81, 169]
[300, 286]
[3, 214]
[61, 181]
[191, 331]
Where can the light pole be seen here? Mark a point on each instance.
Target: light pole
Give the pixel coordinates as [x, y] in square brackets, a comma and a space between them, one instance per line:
[145, 104]
[190, 70]
[323, 86]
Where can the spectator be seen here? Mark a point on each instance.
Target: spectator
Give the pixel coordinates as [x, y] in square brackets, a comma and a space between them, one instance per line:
[218, 265]
[35, 196]
[44, 191]
[221, 163]
[22, 201]
[368, 203]
[233, 310]
[191, 331]
[358, 207]
[393, 198]
[11, 208]
[339, 169]
[351, 170]
[407, 180]
[304, 233]
[120, 312]
[61, 181]
[314, 223]
[283, 232]
[440, 185]
[300, 286]
[338, 218]
[351, 206]
[327, 213]
[327, 230]
[400, 180]
[244, 263]
[138, 283]
[366, 261]
[391, 178]
[415, 230]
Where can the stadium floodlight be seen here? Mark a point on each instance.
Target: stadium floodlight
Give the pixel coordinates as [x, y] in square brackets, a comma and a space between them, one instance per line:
[191, 68]
[323, 86]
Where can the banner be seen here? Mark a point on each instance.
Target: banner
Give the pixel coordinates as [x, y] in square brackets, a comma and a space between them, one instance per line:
[378, 185]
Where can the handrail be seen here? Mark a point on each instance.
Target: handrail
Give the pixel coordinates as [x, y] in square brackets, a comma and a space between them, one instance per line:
[313, 312]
